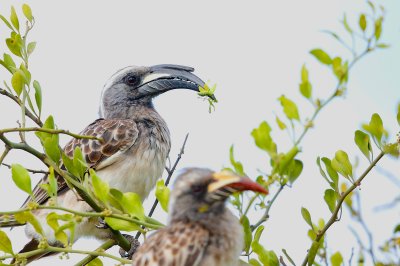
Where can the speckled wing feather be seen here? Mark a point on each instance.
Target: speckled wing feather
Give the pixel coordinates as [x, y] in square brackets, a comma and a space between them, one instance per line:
[180, 244]
[118, 135]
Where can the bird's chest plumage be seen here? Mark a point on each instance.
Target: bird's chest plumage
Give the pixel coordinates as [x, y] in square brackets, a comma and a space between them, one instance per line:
[141, 165]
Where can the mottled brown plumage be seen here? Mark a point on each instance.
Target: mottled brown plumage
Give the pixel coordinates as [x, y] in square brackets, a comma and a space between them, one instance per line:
[134, 147]
[201, 231]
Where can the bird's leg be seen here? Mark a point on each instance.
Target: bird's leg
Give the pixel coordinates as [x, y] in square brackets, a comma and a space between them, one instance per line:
[135, 244]
[102, 224]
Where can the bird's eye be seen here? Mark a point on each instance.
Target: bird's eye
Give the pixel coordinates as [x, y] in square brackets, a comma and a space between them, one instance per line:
[131, 80]
[196, 189]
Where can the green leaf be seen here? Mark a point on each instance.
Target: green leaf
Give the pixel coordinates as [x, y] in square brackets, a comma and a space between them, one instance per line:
[307, 217]
[14, 19]
[305, 85]
[21, 178]
[294, 170]
[115, 198]
[14, 44]
[341, 164]
[375, 128]
[289, 108]
[236, 164]
[378, 28]
[254, 262]
[263, 138]
[53, 185]
[27, 12]
[31, 47]
[123, 225]
[5, 243]
[330, 199]
[363, 143]
[383, 45]
[322, 56]
[281, 125]
[396, 229]
[28, 217]
[48, 124]
[346, 24]
[79, 162]
[321, 171]
[332, 173]
[268, 258]
[248, 236]
[258, 233]
[95, 262]
[162, 194]
[52, 221]
[132, 204]
[304, 73]
[313, 252]
[287, 159]
[398, 114]
[51, 148]
[362, 22]
[38, 95]
[6, 22]
[69, 164]
[100, 188]
[17, 82]
[9, 62]
[306, 89]
[336, 259]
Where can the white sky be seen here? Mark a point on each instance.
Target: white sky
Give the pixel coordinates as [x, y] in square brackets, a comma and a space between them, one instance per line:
[254, 52]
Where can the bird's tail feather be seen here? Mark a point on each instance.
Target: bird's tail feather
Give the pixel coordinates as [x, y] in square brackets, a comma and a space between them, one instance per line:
[9, 221]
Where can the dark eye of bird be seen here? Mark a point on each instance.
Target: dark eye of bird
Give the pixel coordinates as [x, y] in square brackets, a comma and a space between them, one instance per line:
[197, 189]
[131, 80]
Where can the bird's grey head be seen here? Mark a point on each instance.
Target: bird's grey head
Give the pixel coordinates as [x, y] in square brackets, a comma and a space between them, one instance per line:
[137, 86]
[200, 193]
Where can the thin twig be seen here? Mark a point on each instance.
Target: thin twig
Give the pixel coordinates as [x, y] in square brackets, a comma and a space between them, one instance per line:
[29, 170]
[265, 216]
[360, 219]
[4, 154]
[334, 216]
[170, 173]
[106, 245]
[50, 131]
[18, 101]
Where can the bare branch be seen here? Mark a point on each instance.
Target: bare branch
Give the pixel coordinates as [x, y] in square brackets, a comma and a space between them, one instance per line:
[47, 130]
[29, 170]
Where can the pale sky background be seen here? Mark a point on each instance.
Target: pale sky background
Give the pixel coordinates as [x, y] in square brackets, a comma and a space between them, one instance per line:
[253, 50]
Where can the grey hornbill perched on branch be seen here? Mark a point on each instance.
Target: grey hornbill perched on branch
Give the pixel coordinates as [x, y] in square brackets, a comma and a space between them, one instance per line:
[135, 146]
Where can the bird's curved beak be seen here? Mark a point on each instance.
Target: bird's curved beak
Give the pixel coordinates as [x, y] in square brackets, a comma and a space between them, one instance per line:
[226, 179]
[162, 78]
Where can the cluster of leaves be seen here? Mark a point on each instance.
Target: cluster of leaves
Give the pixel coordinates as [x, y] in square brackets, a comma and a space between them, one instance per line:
[18, 45]
[286, 167]
[339, 170]
[209, 92]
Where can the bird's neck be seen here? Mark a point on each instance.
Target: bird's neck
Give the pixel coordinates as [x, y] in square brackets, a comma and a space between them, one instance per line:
[133, 111]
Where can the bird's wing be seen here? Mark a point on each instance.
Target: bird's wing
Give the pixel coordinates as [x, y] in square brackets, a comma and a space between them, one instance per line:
[117, 136]
[180, 244]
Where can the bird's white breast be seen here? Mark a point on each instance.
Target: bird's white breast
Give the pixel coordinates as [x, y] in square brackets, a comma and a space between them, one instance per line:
[136, 170]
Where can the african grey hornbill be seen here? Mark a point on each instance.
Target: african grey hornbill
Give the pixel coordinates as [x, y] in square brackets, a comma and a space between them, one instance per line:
[135, 146]
[201, 231]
